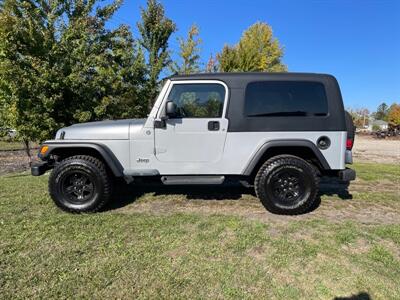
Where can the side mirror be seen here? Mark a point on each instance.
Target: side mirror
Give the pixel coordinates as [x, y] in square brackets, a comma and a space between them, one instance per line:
[170, 109]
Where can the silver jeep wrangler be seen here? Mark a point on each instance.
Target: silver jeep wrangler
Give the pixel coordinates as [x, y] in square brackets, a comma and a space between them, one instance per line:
[277, 131]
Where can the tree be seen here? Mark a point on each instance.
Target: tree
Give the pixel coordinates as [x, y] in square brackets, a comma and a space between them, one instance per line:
[189, 53]
[60, 65]
[257, 50]
[211, 66]
[360, 117]
[155, 29]
[381, 112]
[228, 60]
[394, 115]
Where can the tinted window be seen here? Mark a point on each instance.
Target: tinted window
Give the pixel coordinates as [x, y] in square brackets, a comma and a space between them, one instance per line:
[198, 100]
[285, 98]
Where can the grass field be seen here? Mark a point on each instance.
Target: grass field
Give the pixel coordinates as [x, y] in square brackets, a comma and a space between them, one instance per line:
[203, 243]
[12, 145]
[7, 145]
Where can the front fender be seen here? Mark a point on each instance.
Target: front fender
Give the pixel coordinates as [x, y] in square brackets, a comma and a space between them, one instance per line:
[56, 148]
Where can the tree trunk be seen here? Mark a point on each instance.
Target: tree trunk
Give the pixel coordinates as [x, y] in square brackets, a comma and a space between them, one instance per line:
[28, 151]
[152, 98]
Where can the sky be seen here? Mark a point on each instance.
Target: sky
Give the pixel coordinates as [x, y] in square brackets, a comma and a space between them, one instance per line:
[357, 41]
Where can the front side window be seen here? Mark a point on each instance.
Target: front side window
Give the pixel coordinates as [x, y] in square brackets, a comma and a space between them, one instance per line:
[285, 98]
[198, 100]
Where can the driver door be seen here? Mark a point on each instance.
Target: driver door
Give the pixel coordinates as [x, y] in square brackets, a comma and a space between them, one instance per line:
[196, 133]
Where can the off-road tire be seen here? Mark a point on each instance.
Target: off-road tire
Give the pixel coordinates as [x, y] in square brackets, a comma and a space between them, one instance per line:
[268, 184]
[68, 172]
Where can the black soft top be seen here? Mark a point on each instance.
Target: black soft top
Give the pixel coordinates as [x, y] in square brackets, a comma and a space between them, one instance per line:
[237, 83]
[237, 79]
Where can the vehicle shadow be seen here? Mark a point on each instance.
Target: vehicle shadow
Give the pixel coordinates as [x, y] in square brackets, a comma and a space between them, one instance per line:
[125, 194]
[335, 187]
[360, 296]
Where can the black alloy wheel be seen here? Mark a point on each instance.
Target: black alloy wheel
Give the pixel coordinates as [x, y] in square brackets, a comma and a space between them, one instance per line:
[77, 187]
[287, 186]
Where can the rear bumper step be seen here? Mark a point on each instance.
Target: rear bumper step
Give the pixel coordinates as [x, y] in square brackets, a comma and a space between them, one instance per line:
[347, 174]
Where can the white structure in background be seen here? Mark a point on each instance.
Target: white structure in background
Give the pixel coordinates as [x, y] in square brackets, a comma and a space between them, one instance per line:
[12, 133]
[383, 125]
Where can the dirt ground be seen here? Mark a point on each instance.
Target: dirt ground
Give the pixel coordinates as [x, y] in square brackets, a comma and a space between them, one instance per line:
[14, 161]
[369, 149]
[338, 202]
[366, 149]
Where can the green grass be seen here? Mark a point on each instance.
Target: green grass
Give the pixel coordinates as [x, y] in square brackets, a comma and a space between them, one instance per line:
[375, 172]
[127, 253]
[12, 145]
[6, 145]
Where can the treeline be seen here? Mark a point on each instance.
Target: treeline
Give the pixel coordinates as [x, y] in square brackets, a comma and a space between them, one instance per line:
[384, 112]
[60, 64]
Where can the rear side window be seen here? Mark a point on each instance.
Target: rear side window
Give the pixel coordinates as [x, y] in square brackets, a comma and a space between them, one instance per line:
[285, 98]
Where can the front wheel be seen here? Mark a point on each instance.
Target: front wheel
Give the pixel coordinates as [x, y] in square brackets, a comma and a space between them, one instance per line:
[80, 184]
[287, 184]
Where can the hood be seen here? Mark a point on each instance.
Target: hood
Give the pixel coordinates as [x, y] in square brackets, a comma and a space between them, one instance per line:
[103, 130]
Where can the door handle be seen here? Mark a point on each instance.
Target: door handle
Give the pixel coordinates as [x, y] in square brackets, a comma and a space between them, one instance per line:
[213, 125]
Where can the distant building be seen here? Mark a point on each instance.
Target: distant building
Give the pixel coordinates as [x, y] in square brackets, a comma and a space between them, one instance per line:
[382, 125]
[12, 133]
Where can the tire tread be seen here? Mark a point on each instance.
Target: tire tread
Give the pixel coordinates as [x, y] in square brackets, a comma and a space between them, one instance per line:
[102, 172]
[279, 160]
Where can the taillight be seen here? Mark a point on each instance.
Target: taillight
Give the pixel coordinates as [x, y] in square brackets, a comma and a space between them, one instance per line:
[349, 144]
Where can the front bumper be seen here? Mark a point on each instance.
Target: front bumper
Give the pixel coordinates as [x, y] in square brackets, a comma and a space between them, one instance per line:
[40, 168]
[347, 174]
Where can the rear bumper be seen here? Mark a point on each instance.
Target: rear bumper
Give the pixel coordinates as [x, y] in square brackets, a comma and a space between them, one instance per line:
[347, 174]
[40, 168]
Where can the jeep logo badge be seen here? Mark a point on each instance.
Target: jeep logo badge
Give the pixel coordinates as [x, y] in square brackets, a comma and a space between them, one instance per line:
[142, 160]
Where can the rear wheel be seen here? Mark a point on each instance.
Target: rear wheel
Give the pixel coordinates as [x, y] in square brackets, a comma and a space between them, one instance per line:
[80, 184]
[287, 184]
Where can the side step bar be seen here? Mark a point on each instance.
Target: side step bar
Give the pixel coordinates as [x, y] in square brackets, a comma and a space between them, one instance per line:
[192, 180]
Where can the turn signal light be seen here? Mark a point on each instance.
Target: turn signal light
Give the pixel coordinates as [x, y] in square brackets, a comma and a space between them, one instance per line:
[43, 150]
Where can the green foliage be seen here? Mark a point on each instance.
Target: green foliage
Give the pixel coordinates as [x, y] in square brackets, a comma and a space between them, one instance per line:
[394, 115]
[257, 50]
[60, 65]
[209, 109]
[155, 29]
[382, 112]
[376, 128]
[188, 53]
[229, 60]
